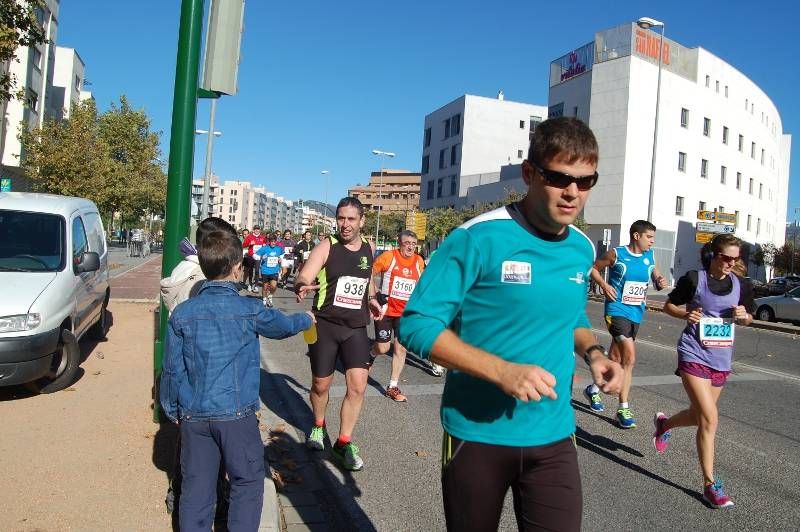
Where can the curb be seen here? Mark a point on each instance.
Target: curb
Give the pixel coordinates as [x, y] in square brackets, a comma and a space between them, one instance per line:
[756, 324]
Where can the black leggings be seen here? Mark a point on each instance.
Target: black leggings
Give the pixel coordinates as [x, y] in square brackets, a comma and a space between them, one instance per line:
[544, 480]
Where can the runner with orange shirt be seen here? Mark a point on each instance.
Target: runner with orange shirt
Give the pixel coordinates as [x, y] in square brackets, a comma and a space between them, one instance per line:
[396, 274]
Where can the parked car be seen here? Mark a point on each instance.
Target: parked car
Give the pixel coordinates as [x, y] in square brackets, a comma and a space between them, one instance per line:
[760, 288]
[780, 285]
[785, 307]
[54, 274]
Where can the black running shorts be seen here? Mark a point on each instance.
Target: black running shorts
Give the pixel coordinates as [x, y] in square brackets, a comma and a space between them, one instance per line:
[334, 341]
[621, 328]
[544, 481]
[386, 328]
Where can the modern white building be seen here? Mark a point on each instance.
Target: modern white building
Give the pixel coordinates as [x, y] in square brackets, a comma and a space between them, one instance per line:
[467, 141]
[68, 82]
[720, 141]
[33, 70]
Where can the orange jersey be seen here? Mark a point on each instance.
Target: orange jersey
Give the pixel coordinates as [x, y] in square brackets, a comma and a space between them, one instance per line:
[399, 276]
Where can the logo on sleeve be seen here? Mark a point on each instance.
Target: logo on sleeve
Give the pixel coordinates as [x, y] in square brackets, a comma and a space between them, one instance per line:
[516, 272]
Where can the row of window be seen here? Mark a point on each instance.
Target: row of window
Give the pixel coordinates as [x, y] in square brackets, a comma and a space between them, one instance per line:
[451, 127]
[440, 185]
[702, 206]
[725, 135]
[723, 175]
[748, 105]
[452, 152]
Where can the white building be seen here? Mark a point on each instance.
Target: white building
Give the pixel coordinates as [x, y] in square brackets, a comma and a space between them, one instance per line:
[467, 141]
[68, 82]
[720, 141]
[33, 70]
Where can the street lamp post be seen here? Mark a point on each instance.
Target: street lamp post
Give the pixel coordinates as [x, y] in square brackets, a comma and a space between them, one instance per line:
[794, 237]
[209, 149]
[381, 154]
[325, 202]
[647, 23]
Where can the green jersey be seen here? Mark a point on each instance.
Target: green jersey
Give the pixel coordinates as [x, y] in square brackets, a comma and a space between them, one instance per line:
[505, 288]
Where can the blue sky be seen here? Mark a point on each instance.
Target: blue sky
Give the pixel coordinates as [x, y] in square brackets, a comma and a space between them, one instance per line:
[322, 83]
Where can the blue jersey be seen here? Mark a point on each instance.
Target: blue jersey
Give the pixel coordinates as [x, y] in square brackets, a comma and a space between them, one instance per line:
[270, 259]
[505, 290]
[630, 277]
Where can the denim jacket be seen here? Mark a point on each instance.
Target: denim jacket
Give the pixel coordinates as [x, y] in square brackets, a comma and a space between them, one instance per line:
[212, 359]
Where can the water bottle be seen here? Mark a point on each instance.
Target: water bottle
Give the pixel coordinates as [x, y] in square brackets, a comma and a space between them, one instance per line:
[310, 334]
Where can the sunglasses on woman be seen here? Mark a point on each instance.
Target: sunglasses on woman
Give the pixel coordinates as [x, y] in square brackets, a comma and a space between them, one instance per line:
[562, 180]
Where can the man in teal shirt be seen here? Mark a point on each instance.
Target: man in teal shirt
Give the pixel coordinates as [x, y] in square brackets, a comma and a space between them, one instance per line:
[503, 305]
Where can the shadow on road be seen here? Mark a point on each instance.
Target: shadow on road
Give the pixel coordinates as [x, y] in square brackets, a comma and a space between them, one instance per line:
[300, 470]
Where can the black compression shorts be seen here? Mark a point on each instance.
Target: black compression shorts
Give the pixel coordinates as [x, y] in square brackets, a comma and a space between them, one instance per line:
[621, 328]
[350, 345]
[544, 480]
[386, 328]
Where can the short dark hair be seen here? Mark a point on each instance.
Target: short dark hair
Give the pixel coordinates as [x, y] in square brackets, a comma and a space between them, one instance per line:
[640, 226]
[209, 225]
[564, 138]
[350, 201]
[408, 233]
[219, 254]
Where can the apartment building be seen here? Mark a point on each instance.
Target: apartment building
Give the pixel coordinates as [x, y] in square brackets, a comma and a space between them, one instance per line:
[390, 191]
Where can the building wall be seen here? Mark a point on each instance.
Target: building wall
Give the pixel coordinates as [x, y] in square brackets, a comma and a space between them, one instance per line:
[395, 190]
[68, 79]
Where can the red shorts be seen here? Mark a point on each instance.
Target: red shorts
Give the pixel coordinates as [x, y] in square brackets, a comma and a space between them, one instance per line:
[696, 369]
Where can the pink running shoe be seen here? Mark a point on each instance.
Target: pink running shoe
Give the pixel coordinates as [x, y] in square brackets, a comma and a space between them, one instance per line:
[714, 494]
[660, 436]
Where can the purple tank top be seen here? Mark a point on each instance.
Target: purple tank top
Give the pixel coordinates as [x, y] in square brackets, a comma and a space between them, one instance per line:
[690, 348]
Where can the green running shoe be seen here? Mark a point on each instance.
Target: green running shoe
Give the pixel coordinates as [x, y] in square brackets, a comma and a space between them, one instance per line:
[625, 419]
[316, 440]
[348, 457]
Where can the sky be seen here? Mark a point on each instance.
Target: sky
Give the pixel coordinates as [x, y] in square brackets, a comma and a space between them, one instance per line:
[322, 83]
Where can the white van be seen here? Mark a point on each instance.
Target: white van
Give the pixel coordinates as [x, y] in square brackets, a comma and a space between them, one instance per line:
[53, 287]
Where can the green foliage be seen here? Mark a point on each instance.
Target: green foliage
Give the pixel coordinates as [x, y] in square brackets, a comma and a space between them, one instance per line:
[391, 225]
[443, 220]
[111, 159]
[18, 28]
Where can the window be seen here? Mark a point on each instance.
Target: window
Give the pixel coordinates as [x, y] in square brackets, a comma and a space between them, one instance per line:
[685, 118]
[33, 100]
[750, 188]
[704, 168]
[721, 209]
[708, 81]
[455, 124]
[760, 190]
[736, 222]
[716, 83]
[738, 181]
[746, 103]
[752, 150]
[454, 155]
[724, 134]
[447, 128]
[441, 158]
[452, 185]
[519, 154]
[707, 127]
[748, 222]
[535, 121]
[758, 226]
[723, 174]
[741, 143]
[77, 83]
[426, 163]
[430, 189]
[762, 156]
[79, 243]
[522, 124]
[439, 183]
[681, 161]
[678, 205]
[701, 206]
[427, 137]
[36, 57]
[575, 111]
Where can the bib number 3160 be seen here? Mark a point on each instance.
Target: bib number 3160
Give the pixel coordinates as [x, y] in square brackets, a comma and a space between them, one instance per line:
[350, 292]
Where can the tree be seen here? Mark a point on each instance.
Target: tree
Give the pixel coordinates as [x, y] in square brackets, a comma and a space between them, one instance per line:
[19, 27]
[391, 225]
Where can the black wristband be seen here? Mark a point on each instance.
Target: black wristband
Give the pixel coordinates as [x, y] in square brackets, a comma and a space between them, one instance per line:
[587, 358]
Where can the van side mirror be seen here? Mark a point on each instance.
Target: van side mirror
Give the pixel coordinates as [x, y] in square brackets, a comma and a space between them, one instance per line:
[90, 262]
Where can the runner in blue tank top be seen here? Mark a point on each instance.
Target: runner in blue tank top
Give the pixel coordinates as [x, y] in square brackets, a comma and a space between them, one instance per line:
[716, 302]
[631, 268]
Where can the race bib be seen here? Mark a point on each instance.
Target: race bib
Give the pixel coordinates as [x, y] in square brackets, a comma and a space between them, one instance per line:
[402, 288]
[634, 293]
[306, 254]
[288, 250]
[716, 332]
[272, 262]
[350, 292]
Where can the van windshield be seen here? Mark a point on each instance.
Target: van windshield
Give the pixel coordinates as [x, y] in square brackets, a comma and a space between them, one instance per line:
[31, 242]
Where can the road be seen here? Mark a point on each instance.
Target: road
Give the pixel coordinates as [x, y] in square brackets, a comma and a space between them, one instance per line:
[626, 485]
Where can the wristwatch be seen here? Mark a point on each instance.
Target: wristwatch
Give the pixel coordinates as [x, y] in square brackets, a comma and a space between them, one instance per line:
[595, 347]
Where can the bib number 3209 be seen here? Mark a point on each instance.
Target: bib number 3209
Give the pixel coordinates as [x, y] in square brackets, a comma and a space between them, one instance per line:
[350, 292]
[716, 332]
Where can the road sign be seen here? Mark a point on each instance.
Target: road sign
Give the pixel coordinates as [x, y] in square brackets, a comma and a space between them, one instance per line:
[708, 227]
[727, 217]
[702, 238]
[5, 184]
[706, 215]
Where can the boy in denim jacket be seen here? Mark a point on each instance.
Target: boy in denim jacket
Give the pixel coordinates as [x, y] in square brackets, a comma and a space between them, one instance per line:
[210, 384]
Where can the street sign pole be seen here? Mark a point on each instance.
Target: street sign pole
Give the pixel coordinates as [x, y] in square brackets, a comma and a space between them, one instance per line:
[181, 155]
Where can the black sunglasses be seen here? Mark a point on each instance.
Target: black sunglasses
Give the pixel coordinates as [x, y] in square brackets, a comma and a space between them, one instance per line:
[562, 180]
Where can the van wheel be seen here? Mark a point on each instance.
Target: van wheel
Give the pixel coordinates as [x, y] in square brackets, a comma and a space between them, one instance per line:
[63, 367]
[99, 330]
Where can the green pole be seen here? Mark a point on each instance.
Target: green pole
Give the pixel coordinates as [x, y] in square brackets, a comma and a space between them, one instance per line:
[181, 157]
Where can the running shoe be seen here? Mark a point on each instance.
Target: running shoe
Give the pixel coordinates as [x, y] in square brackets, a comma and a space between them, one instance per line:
[254, 288]
[269, 301]
[348, 457]
[714, 494]
[660, 436]
[316, 439]
[625, 419]
[437, 370]
[395, 394]
[594, 398]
